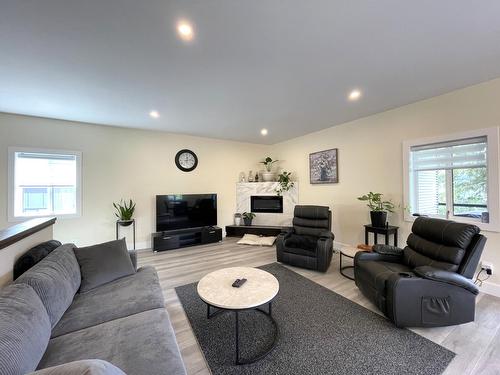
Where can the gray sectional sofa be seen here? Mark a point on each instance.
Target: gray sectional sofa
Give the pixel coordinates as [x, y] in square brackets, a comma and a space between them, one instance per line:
[118, 327]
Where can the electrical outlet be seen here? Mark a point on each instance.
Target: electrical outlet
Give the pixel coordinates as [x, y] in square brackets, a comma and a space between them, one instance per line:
[487, 266]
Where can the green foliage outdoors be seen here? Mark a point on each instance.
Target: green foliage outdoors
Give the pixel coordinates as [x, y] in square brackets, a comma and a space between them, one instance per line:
[470, 186]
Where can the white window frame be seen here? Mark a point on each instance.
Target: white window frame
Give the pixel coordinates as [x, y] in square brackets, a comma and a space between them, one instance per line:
[492, 135]
[11, 182]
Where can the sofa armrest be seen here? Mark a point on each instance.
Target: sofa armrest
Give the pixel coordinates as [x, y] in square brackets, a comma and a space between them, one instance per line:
[133, 258]
[387, 250]
[452, 278]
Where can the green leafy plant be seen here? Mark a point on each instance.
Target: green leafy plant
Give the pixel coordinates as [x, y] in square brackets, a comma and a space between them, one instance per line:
[285, 182]
[248, 215]
[376, 203]
[124, 211]
[268, 163]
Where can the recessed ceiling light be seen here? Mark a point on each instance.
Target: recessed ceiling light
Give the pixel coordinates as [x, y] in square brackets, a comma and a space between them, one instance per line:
[263, 131]
[354, 95]
[154, 114]
[185, 30]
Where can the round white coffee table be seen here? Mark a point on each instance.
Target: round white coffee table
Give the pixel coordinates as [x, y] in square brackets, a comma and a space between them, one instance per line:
[216, 290]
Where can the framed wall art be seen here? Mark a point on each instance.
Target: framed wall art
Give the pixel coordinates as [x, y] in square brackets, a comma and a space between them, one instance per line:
[323, 167]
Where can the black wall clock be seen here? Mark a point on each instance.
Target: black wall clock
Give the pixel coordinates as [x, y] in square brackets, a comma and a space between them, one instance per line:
[186, 160]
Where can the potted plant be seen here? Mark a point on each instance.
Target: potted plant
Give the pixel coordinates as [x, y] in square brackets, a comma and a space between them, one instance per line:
[248, 217]
[378, 207]
[124, 212]
[268, 175]
[285, 182]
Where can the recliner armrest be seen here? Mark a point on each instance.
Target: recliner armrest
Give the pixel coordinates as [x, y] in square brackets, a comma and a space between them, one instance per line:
[452, 278]
[325, 235]
[285, 234]
[387, 250]
[371, 256]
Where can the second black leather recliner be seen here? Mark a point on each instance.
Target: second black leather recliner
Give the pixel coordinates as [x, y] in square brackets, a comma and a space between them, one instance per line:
[428, 283]
[309, 244]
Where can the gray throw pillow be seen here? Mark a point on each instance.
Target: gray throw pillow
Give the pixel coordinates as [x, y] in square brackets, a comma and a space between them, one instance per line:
[83, 367]
[56, 279]
[24, 329]
[103, 263]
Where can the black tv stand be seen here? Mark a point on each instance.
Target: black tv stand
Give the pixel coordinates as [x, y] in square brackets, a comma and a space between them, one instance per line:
[175, 239]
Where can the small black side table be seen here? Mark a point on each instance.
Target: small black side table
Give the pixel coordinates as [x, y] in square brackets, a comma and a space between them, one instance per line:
[119, 223]
[386, 231]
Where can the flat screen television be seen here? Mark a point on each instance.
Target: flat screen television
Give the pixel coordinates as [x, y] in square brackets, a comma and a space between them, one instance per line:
[181, 211]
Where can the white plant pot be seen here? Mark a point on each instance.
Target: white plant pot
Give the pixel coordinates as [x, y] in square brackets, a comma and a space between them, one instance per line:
[268, 176]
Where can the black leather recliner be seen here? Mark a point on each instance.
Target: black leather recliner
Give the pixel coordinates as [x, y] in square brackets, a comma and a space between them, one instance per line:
[428, 283]
[309, 244]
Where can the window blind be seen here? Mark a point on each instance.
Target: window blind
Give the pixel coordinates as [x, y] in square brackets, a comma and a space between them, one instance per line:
[464, 153]
[33, 155]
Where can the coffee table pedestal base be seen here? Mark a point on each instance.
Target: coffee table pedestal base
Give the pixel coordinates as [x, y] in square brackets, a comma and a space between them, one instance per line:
[268, 313]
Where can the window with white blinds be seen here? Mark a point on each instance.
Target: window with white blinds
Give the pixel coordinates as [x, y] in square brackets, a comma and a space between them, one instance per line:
[453, 178]
[43, 183]
[464, 153]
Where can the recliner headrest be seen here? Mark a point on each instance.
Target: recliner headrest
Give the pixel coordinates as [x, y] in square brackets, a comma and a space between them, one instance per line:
[311, 212]
[445, 232]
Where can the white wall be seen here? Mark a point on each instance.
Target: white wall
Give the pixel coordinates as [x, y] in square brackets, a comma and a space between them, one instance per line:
[119, 162]
[9, 254]
[370, 156]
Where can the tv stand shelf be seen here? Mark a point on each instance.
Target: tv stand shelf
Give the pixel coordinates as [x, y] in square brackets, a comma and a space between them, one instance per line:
[175, 239]
[261, 230]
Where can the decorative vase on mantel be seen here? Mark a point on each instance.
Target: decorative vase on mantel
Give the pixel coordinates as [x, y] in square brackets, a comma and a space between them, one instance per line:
[268, 176]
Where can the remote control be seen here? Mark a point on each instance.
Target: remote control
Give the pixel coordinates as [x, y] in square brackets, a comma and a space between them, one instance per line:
[239, 282]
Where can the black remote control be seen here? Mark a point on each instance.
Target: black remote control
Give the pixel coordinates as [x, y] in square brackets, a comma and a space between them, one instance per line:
[238, 282]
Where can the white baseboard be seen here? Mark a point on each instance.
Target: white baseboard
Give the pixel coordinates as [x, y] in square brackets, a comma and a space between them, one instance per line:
[490, 288]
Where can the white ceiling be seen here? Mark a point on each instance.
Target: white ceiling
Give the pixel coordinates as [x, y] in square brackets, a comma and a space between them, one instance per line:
[282, 65]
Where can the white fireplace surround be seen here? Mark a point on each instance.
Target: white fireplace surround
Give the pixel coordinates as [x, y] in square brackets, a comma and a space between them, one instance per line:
[244, 190]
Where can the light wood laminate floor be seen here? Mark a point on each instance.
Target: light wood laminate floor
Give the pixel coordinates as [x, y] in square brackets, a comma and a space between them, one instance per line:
[477, 344]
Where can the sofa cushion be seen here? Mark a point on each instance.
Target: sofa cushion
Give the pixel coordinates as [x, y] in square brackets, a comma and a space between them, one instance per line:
[308, 243]
[84, 367]
[33, 256]
[103, 263]
[117, 299]
[56, 279]
[24, 329]
[139, 344]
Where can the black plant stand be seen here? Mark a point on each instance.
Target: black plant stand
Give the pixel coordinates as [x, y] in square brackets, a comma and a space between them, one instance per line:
[119, 223]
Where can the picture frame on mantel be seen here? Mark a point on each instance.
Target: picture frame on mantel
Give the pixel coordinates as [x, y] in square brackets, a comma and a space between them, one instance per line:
[323, 167]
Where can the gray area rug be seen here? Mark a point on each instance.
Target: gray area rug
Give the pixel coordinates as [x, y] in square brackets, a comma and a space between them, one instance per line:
[320, 332]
